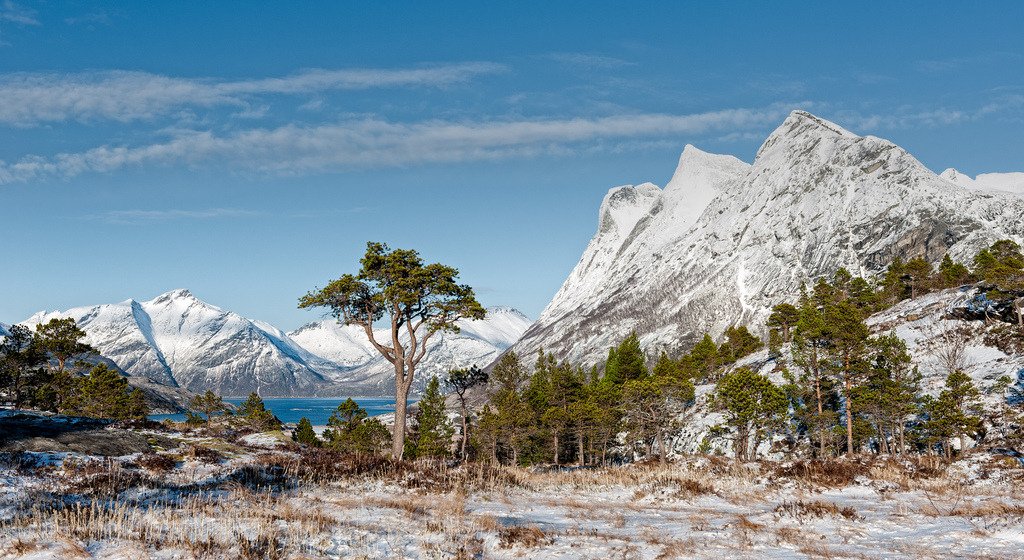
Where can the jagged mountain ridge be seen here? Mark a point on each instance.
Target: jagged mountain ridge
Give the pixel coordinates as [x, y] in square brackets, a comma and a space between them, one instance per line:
[177, 340]
[726, 240]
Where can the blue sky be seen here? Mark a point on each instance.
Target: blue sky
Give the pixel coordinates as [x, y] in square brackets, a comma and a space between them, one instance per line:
[248, 150]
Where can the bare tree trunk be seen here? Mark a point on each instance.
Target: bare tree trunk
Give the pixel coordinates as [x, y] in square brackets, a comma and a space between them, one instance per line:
[582, 458]
[401, 404]
[556, 448]
[465, 432]
[849, 414]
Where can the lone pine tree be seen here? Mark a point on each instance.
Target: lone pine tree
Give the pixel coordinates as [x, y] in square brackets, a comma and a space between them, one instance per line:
[419, 301]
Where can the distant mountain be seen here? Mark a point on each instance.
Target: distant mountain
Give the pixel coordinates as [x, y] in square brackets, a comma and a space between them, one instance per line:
[177, 340]
[478, 343]
[988, 182]
[3, 330]
[726, 240]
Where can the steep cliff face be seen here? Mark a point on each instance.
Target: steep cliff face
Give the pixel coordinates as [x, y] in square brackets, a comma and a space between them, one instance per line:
[724, 241]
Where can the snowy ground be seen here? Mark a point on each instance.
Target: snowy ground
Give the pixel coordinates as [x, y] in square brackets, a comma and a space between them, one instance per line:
[245, 503]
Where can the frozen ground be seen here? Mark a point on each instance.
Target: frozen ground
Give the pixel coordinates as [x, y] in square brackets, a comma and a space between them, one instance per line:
[244, 502]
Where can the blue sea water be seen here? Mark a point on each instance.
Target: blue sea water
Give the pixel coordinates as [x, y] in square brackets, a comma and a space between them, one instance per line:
[318, 410]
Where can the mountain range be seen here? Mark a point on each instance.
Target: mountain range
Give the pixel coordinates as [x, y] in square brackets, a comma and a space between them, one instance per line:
[725, 240]
[177, 340]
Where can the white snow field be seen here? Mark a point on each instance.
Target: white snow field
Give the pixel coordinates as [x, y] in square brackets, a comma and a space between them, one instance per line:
[698, 507]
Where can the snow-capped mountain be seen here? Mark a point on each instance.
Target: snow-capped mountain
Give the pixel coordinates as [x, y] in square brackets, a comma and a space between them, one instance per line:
[726, 240]
[178, 340]
[3, 330]
[478, 342]
[175, 339]
[988, 182]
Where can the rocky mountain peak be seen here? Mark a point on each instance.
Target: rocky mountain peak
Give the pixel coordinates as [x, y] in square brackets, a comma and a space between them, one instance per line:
[726, 240]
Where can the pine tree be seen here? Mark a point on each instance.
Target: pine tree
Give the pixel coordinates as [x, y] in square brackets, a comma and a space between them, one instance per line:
[511, 420]
[105, 393]
[350, 430]
[952, 274]
[739, 342]
[304, 433]
[753, 406]
[625, 361]
[919, 273]
[783, 318]
[810, 340]
[889, 394]
[434, 432]
[209, 403]
[63, 340]
[254, 413]
[461, 381]
[704, 357]
[21, 359]
[847, 348]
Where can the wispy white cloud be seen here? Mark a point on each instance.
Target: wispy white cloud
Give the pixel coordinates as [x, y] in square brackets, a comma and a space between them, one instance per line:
[91, 18]
[587, 60]
[296, 149]
[31, 98]
[940, 65]
[14, 13]
[132, 217]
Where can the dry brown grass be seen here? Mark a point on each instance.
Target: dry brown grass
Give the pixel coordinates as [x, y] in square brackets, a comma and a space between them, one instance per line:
[527, 536]
[816, 508]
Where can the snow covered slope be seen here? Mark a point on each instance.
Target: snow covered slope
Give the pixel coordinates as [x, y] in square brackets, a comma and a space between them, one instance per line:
[991, 182]
[179, 341]
[724, 241]
[175, 339]
[3, 330]
[926, 325]
[478, 343]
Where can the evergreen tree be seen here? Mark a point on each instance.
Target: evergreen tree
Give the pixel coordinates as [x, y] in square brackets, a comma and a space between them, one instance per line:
[952, 274]
[919, 276]
[1001, 265]
[105, 393]
[434, 432]
[955, 413]
[753, 406]
[889, 395]
[304, 433]
[254, 413]
[461, 381]
[510, 422]
[350, 430]
[21, 359]
[739, 342]
[704, 357]
[783, 318]
[810, 340]
[63, 340]
[847, 348]
[894, 289]
[209, 403]
[626, 361]
[420, 299]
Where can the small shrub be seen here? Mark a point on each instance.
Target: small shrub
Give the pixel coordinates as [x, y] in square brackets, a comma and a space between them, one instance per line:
[817, 509]
[528, 536]
[157, 463]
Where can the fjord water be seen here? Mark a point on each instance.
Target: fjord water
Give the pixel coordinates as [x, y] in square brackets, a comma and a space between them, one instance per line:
[318, 410]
